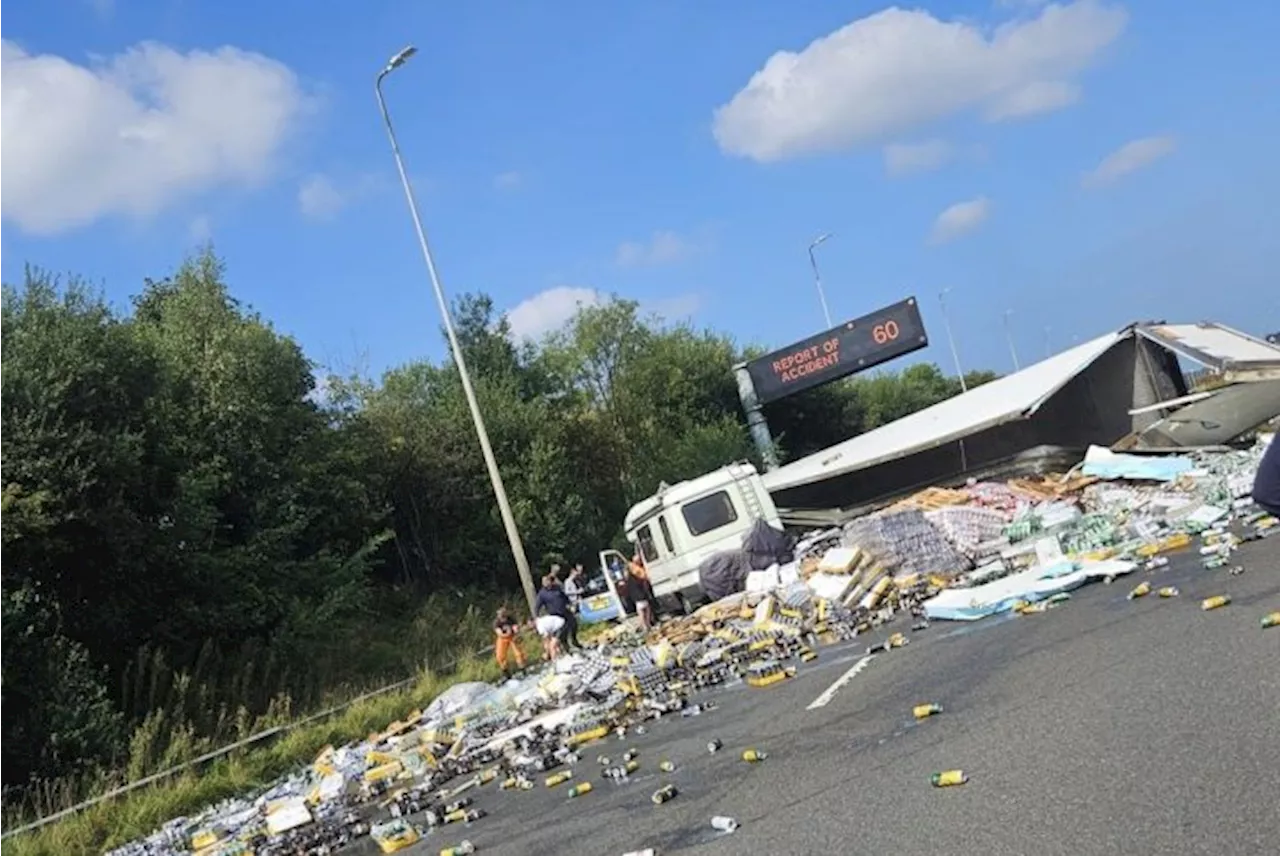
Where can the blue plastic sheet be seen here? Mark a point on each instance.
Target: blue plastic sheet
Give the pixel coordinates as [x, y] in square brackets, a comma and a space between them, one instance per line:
[1106, 464]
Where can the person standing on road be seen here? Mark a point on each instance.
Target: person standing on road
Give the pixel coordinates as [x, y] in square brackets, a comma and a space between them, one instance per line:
[1266, 483]
[576, 585]
[506, 632]
[552, 600]
[641, 591]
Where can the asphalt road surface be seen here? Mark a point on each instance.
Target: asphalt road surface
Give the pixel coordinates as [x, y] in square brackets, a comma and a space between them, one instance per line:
[1103, 726]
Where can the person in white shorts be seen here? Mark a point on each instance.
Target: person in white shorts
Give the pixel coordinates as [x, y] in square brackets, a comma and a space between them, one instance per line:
[549, 628]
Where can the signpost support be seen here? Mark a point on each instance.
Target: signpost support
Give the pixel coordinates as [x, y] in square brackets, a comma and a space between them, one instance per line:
[755, 417]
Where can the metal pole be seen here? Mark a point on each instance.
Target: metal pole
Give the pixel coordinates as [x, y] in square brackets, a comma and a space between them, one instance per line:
[495, 476]
[756, 422]
[946, 324]
[1008, 334]
[817, 278]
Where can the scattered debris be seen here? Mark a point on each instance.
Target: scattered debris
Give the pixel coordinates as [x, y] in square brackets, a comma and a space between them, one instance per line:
[724, 824]
[666, 793]
[949, 778]
[924, 711]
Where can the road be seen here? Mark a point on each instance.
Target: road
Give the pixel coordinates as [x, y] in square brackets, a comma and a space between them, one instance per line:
[1102, 726]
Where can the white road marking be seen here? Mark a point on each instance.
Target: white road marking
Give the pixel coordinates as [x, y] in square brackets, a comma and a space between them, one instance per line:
[830, 692]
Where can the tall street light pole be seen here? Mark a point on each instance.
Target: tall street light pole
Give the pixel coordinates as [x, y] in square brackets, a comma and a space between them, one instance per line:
[946, 323]
[1008, 334]
[817, 278]
[499, 490]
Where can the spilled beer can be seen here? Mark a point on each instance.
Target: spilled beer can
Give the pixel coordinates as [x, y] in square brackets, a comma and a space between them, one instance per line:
[631, 766]
[949, 778]
[559, 778]
[753, 755]
[666, 793]
[924, 711]
[579, 789]
[666, 766]
[723, 823]
[464, 848]
[1168, 591]
[1271, 620]
[714, 746]
[1215, 602]
[1141, 590]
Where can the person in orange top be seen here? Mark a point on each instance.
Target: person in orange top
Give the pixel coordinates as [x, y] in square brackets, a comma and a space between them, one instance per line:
[506, 630]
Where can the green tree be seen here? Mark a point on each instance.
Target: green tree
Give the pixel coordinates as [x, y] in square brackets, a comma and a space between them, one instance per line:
[58, 718]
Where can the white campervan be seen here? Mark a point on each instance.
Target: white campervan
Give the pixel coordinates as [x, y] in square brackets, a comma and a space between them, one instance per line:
[683, 524]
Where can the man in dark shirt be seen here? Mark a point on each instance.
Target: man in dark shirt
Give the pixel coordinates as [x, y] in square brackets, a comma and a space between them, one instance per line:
[1266, 484]
[553, 601]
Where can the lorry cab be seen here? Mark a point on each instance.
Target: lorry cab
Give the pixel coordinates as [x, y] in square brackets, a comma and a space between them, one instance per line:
[681, 525]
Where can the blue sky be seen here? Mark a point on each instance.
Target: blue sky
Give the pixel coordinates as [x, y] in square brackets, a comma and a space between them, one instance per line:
[1080, 165]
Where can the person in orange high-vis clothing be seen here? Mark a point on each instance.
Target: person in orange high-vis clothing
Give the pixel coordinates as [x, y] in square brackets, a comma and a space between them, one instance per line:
[506, 630]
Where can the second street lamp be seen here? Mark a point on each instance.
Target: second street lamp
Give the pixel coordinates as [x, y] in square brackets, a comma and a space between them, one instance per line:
[495, 476]
[817, 278]
[946, 324]
[1008, 334]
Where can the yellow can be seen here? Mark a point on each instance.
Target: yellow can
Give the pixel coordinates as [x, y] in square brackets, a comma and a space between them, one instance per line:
[632, 766]
[924, 711]
[1168, 591]
[580, 789]
[559, 778]
[1271, 619]
[1215, 602]
[949, 778]
[1141, 590]
[508, 784]
[753, 755]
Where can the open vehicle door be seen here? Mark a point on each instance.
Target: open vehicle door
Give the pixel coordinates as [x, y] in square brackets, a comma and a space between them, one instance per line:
[606, 606]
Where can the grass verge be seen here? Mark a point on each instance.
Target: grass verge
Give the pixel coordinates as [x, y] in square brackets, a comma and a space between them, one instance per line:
[114, 822]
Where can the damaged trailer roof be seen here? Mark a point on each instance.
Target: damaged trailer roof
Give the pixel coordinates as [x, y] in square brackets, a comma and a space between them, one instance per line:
[1012, 397]
[1233, 355]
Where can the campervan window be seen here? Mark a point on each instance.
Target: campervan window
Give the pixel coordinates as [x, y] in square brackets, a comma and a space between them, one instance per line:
[648, 549]
[709, 513]
[666, 534]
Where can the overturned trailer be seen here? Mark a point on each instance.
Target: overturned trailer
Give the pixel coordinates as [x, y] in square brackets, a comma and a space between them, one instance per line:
[1127, 389]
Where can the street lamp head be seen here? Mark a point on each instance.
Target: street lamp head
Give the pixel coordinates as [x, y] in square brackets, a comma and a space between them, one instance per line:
[400, 59]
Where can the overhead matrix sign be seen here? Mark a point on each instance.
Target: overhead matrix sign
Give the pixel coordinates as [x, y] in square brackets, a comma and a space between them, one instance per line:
[852, 347]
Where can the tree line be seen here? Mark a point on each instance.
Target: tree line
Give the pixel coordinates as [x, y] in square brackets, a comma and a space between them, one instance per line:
[194, 534]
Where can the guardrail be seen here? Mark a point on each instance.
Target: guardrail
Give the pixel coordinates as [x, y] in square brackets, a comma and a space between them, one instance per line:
[260, 737]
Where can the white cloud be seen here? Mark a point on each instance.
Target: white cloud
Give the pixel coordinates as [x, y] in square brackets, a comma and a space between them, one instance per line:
[903, 158]
[898, 69]
[1130, 157]
[136, 133]
[548, 311]
[200, 229]
[663, 248]
[322, 197]
[318, 199]
[960, 219]
[509, 180]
